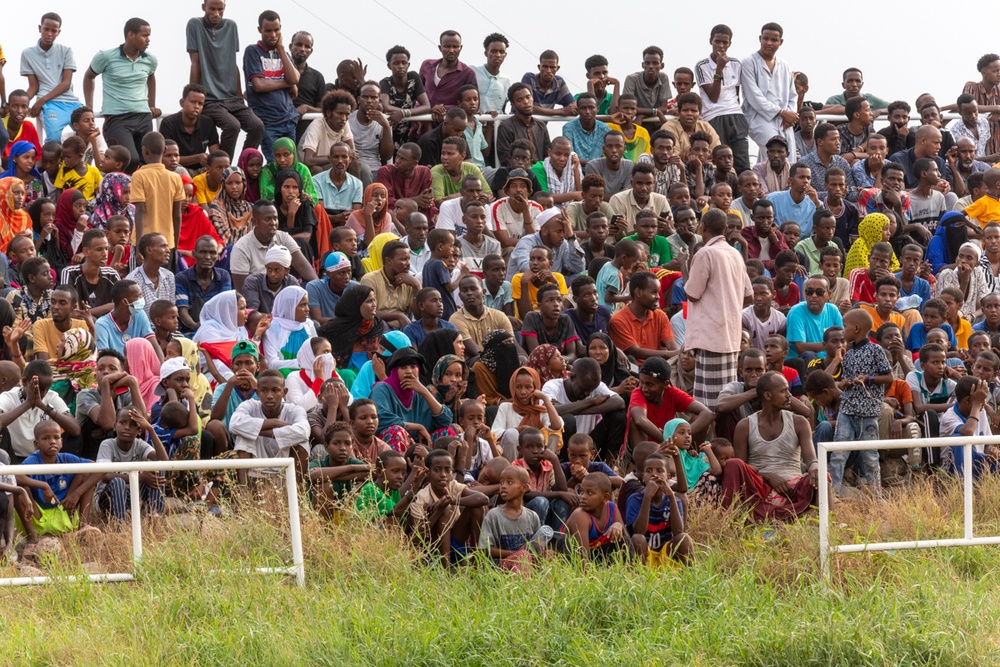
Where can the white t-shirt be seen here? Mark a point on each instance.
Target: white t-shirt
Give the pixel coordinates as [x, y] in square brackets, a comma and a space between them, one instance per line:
[247, 422]
[506, 418]
[729, 95]
[22, 429]
[951, 421]
[556, 390]
[450, 216]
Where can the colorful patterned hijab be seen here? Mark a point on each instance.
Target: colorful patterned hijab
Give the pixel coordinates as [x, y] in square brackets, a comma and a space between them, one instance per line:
[447, 394]
[229, 216]
[108, 202]
[77, 359]
[870, 232]
[13, 220]
[198, 383]
[539, 360]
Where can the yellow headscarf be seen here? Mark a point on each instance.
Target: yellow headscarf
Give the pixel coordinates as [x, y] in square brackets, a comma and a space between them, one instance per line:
[198, 384]
[869, 233]
[373, 262]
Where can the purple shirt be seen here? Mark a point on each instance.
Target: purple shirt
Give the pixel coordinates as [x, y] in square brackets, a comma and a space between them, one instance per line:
[445, 92]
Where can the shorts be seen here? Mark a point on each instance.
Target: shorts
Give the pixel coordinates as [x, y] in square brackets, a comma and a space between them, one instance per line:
[661, 559]
[56, 115]
[54, 521]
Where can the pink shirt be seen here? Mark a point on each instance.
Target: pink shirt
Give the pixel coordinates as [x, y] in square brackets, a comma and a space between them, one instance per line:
[718, 280]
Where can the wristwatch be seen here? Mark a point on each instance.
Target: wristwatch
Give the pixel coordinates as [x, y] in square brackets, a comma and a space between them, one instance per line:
[717, 77]
[408, 495]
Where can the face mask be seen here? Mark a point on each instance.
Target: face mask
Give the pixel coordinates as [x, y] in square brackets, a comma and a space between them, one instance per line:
[137, 305]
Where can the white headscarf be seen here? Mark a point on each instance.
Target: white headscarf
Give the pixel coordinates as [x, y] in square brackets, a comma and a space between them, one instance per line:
[306, 359]
[218, 320]
[283, 324]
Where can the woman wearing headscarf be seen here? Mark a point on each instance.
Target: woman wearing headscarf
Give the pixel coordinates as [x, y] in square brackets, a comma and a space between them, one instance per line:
[251, 163]
[21, 164]
[405, 404]
[14, 219]
[230, 211]
[113, 198]
[73, 369]
[527, 407]
[449, 381]
[548, 362]
[437, 344]
[222, 324]
[144, 366]
[285, 157]
[296, 210]
[949, 236]
[355, 329]
[968, 277]
[290, 327]
[72, 206]
[497, 362]
[615, 373]
[198, 384]
[373, 262]
[874, 228]
[373, 370]
[373, 217]
[315, 363]
[43, 215]
[194, 225]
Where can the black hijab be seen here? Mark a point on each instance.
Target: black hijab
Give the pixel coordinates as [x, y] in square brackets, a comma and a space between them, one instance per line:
[344, 330]
[434, 346]
[612, 372]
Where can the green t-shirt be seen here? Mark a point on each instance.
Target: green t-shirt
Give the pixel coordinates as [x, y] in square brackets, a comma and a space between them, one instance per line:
[374, 503]
[340, 489]
[659, 250]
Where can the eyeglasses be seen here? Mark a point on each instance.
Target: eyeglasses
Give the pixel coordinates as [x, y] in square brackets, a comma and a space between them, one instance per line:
[818, 291]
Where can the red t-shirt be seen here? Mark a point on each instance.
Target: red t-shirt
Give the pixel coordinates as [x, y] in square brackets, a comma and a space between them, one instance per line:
[862, 288]
[674, 401]
[790, 299]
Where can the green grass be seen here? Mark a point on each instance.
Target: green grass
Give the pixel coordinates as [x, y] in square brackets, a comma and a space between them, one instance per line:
[370, 600]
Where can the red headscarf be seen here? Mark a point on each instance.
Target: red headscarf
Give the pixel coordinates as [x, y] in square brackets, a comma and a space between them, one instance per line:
[65, 221]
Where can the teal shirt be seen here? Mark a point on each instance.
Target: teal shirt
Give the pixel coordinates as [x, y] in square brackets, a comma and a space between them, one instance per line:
[125, 82]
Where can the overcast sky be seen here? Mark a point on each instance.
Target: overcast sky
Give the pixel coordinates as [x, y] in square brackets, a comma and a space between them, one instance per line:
[885, 45]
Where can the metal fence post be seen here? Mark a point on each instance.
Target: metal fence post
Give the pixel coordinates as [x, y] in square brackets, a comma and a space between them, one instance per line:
[824, 513]
[133, 491]
[293, 518]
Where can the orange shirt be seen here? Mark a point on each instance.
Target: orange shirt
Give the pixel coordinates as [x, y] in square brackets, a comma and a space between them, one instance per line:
[650, 334]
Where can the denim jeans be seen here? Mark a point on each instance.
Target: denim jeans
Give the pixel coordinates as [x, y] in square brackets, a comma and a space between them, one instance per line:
[851, 428]
[273, 132]
[551, 512]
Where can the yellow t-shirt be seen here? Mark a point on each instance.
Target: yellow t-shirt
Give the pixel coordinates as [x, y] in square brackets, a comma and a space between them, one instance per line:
[515, 284]
[637, 145]
[67, 179]
[204, 194]
[986, 209]
[47, 338]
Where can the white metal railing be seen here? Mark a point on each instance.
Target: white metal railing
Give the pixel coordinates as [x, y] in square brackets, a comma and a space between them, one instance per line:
[967, 540]
[297, 568]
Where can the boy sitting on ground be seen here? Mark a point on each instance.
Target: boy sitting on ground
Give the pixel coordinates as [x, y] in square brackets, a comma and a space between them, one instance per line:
[446, 514]
[509, 529]
[332, 477]
[60, 502]
[112, 493]
[657, 518]
[596, 525]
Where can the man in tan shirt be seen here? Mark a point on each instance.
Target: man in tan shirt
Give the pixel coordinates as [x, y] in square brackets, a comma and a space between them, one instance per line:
[474, 320]
[688, 122]
[394, 286]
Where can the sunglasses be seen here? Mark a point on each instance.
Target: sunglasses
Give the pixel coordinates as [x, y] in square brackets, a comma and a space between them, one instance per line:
[818, 291]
